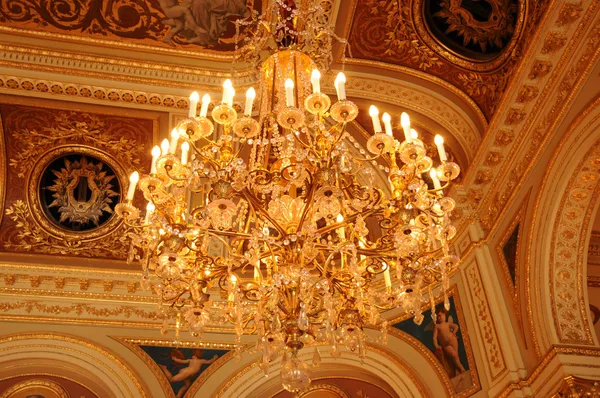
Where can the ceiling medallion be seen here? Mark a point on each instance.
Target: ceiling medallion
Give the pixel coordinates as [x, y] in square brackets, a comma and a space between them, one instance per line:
[73, 191]
[471, 34]
[266, 225]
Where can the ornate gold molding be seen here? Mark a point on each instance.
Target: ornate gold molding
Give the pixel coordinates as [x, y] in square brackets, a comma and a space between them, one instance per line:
[388, 355]
[514, 287]
[543, 365]
[133, 345]
[485, 322]
[46, 374]
[104, 353]
[513, 172]
[35, 387]
[577, 387]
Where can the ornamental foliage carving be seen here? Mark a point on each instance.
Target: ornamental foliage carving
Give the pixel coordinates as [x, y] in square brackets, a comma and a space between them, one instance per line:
[159, 23]
[49, 203]
[394, 32]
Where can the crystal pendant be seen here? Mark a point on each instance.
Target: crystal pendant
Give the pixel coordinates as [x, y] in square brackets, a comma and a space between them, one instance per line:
[295, 374]
[303, 319]
[316, 359]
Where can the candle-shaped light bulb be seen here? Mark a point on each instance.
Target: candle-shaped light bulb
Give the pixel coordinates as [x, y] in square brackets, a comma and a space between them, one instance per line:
[439, 142]
[340, 219]
[405, 123]
[387, 277]
[250, 95]
[164, 146]
[230, 96]
[435, 179]
[227, 86]
[133, 180]
[149, 210]
[155, 156]
[289, 92]
[315, 79]
[387, 123]
[414, 135]
[185, 148]
[174, 139]
[194, 98]
[340, 80]
[205, 102]
[374, 113]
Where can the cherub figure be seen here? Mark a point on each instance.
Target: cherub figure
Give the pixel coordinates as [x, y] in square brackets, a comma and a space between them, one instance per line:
[179, 17]
[185, 374]
[446, 342]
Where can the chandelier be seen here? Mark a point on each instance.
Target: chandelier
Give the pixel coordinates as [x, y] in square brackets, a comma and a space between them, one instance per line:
[274, 220]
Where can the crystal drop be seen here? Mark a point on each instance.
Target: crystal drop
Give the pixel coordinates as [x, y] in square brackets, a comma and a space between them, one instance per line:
[303, 320]
[335, 352]
[165, 327]
[316, 359]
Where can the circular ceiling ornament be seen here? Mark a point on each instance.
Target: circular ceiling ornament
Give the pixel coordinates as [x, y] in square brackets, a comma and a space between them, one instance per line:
[478, 35]
[72, 191]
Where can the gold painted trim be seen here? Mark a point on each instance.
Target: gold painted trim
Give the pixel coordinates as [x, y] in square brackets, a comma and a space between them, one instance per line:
[43, 384]
[53, 375]
[133, 345]
[397, 360]
[589, 108]
[332, 387]
[545, 362]
[34, 179]
[114, 358]
[419, 346]
[3, 170]
[516, 286]
[203, 54]
[432, 41]
[549, 123]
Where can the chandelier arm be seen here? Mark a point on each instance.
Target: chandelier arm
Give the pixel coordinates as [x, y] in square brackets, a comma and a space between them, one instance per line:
[309, 199]
[199, 153]
[297, 137]
[440, 189]
[256, 203]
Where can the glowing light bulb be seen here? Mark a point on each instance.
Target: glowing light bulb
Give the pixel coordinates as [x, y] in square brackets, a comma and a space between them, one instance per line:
[387, 123]
[250, 95]
[194, 97]
[185, 148]
[340, 80]
[439, 143]
[315, 79]
[289, 92]
[133, 180]
[374, 113]
[164, 146]
[174, 139]
[405, 123]
[435, 179]
[155, 156]
[205, 102]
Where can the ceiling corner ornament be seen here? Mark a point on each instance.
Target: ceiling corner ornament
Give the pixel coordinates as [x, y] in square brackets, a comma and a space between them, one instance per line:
[471, 34]
[396, 32]
[277, 224]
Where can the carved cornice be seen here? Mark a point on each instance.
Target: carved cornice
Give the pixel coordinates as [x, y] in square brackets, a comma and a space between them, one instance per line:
[543, 365]
[519, 131]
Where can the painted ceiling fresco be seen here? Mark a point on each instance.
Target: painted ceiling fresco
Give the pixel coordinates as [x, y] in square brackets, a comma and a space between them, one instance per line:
[474, 45]
[157, 23]
[65, 172]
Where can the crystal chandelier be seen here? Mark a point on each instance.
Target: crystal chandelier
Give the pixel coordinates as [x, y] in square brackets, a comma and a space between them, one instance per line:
[269, 219]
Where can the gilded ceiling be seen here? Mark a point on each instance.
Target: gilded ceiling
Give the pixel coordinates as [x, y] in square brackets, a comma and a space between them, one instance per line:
[66, 171]
[156, 23]
[473, 45]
